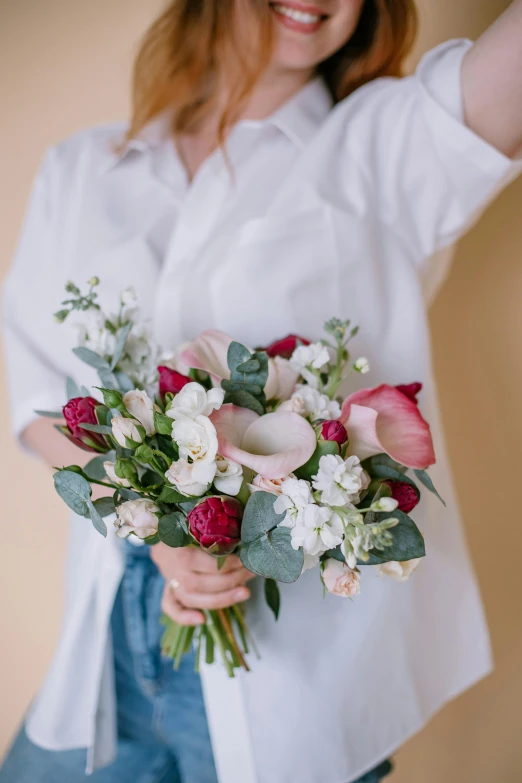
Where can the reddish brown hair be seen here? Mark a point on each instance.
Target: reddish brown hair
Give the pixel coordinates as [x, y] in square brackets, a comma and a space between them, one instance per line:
[194, 53]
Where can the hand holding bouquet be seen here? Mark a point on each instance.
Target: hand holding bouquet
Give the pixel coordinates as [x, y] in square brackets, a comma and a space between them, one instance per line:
[245, 451]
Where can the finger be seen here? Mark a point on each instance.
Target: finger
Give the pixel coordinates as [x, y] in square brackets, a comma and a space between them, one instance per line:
[212, 600]
[208, 564]
[195, 582]
[174, 609]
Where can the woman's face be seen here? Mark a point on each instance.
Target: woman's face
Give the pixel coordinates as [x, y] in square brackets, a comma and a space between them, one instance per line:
[307, 34]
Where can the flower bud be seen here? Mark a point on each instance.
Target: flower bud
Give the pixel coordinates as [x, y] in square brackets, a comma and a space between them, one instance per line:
[125, 469]
[128, 433]
[94, 281]
[362, 365]
[82, 410]
[114, 478]
[405, 495]
[171, 381]
[335, 431]
[285, 347]
[140, 406]
[216, 524]
[384, 504]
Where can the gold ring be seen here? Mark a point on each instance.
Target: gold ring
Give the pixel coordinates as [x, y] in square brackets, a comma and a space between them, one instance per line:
[173, 584]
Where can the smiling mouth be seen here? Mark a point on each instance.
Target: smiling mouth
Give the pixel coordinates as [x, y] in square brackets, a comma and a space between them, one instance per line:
[299, 17]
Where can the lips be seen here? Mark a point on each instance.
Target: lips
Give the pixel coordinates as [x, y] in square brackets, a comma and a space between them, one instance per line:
[298, 16]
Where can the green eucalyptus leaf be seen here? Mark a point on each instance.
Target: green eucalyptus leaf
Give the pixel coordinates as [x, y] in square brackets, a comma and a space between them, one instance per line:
[105, 506]
[386, 472]
[102, 429]
[120, 344]
[108, 378]
[95, 470]
[97, 521]
[310, 468]
[127, 494]
[237, 355]
[408, 542]
[273, 596]
[171, 530]
[71, 389]
[428, 483]
[125, 384]
[171, 495]
[259, 517]
[241, 386]
[273, 556]
[91, 358]
[251, 365]
[74, 490]
[50, 414]
[383, 459]
[244, 399]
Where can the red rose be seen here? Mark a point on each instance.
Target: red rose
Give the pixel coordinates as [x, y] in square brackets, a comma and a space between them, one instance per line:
[82, 410]
[404, 494]
[286, 346]
[334, 430]
[411, 390]
[171, 381]
[216, 524]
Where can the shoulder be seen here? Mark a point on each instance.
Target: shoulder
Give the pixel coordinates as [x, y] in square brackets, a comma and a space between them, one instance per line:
[84, 153]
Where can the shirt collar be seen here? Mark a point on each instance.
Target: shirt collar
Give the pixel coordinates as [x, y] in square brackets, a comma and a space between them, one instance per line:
[299, 119]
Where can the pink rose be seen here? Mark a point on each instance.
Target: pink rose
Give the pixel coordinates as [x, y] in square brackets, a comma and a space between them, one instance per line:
[82, 410]
[334, 430]
[285, 347]
[385, 420]
[216, 524]
[341, 580]
[260, 484]
[404, 494]
[171, 381]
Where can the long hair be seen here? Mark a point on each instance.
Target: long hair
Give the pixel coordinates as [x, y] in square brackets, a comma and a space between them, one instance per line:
[199, 50]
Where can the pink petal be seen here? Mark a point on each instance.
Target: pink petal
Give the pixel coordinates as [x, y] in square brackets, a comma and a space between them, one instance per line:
[386, 420]
[272, 445]
[281, 379]
[208, 352]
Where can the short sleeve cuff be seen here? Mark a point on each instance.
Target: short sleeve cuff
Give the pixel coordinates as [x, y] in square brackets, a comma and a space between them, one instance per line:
[479, 170]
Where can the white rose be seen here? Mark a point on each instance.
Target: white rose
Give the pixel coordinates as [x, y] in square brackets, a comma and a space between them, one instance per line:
[137, 517]
[317, 530]
[341, 580]
[197, 441]
[317, 405]
[229, 476]
[139, 404]
[295, 495]
[340, 481]
[399, 571]
[123, 429]
[194, 400]
[181, 475]
[111, 475]
[294, 405]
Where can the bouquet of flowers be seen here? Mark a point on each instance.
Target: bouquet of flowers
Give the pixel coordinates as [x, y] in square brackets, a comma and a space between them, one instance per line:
[244, 451]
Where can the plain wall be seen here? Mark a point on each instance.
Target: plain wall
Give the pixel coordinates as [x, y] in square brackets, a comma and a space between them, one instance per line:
[65, 64]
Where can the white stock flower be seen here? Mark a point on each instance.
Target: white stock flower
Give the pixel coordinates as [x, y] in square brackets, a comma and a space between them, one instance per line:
[295, 495]
[111, 475]
[340, 481]
[92, 333]
[310, 561]
[317, 530]
[123, 428]
[362, 365]
[138, 517]
[307, 358]
[399, 571]
[295, 404]
[385, 504]
[340, 579]
[181, 475]
[229, 476]
[316, 405]
[139, 404]
[194, 400]
[197, 441]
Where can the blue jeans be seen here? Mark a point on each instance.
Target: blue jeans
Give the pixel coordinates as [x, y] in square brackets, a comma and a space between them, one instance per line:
[162, 728]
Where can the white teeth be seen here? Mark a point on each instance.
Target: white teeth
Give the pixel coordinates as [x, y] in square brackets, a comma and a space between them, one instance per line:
[298, 16]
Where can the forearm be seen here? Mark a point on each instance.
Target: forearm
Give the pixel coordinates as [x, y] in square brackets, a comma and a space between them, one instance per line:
[492, 83]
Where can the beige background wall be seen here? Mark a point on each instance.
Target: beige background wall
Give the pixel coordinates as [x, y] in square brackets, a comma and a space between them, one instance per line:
[64, 65]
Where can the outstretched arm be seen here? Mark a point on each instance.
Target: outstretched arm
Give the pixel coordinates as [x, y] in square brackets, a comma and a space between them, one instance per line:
[492, 83]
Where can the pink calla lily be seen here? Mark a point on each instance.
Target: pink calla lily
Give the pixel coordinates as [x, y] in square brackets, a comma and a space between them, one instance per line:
[272, 445]
[208, 352]
[384, 420]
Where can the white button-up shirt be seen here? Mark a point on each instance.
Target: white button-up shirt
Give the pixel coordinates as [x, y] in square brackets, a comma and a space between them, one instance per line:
[346, 211]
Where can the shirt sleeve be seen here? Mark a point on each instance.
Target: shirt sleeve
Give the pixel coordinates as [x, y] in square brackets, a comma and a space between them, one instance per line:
[431, 176]
[30, 293]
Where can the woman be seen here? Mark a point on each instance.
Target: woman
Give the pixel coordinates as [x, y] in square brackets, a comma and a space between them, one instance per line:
[241, 198]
